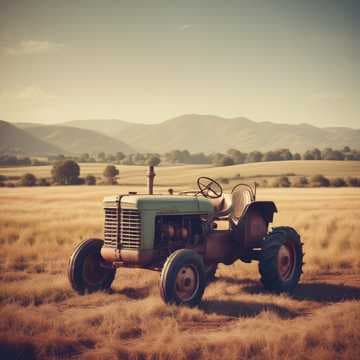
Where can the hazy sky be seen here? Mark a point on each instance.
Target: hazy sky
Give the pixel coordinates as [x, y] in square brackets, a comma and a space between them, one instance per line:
[287, 61]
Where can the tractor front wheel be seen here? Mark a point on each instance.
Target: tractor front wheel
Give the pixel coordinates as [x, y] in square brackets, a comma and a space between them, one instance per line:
[87, 271]
[281, 260]
[183, 278]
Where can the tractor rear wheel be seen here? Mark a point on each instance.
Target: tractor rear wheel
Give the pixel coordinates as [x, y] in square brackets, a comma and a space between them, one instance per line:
[87, 272]
[281, 260]
[183, 278]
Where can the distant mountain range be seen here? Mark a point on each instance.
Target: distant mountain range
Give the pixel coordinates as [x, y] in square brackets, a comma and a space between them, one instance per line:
[208, 133]
[76, 141]
[196, 133]
[35, 139]
[17, 141]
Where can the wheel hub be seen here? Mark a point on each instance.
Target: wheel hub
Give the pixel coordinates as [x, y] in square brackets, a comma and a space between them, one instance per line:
[187, 282]
[286, 261]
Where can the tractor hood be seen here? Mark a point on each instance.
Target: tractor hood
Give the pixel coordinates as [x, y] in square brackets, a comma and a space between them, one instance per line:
[163, 203]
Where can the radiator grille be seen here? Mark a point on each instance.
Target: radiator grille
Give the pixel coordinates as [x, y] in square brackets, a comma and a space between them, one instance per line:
[130, 229]
[122, 229]
[111, 228]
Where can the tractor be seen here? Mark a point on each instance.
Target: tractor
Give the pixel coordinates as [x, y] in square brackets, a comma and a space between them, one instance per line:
[185, 236]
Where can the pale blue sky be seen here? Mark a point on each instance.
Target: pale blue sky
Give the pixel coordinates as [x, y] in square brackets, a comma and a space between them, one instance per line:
[146, 61]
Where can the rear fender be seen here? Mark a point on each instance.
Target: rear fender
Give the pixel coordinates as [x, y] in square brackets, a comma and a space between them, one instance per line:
[253, 225]
[265, 208]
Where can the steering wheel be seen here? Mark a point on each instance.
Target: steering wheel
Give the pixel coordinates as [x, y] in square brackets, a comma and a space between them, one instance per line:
[209, 188]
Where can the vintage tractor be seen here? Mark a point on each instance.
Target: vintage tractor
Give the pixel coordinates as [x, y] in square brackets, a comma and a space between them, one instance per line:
[185, 236]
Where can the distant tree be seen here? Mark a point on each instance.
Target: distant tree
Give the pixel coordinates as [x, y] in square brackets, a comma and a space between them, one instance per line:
[237, 156]
[119, 156]
[326, 154]
[84, 157]
[338, 182]
[317, 154]
[43, 182]
[90, 180]
[297, 156]
[330, 154]
[285, 154]
[80, 181]
[127, 160]
[349, 156]
[282, 181]
[199, 158]
[353, 181]
[254, 156]
[184, 156]
[65, 172]
[110, 173]
[28, 180]
[319, 181]
[227, 161]
[308, 155]
[110, 158]
[300, 181]
[270, 156]
[217, 158]
[314, 154]
[101, 156]
[337, 155]
[154, 161]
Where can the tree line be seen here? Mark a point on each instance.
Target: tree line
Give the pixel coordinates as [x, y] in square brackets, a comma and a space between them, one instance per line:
[234, 156]
[230, 157]
[63, 172]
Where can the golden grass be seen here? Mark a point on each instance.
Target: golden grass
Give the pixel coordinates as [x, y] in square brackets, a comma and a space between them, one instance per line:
[41, 317]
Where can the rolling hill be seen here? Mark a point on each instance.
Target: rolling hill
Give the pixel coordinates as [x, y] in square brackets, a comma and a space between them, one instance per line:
[77, 141]
[16, 141]
[208, 133]
[197, 133]
[105, 126]
[211, 133]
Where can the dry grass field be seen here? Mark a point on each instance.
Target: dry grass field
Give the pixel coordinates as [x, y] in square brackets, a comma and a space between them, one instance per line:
[41, 317]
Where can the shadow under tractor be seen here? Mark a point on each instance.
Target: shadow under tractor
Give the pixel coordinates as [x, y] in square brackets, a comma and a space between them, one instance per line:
[185, 236]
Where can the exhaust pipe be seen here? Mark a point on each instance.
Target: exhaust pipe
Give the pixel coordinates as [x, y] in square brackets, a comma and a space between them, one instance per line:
[151, 174]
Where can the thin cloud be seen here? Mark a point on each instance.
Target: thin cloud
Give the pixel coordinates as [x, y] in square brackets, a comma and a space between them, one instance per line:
[29, 47]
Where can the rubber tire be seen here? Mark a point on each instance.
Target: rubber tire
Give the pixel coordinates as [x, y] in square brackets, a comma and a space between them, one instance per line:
[173, 264]
[75, 267]
[268, 268]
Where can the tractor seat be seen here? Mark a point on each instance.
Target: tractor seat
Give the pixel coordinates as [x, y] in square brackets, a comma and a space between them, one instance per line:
[222, 205]
[240, 200]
